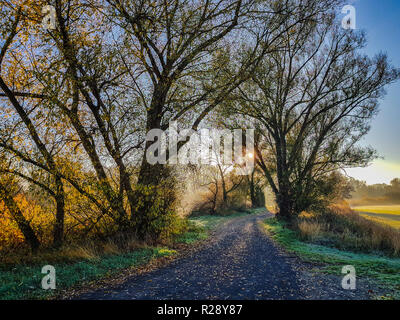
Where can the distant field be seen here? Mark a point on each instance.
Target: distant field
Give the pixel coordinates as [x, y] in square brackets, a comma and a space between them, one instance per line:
[384, 214]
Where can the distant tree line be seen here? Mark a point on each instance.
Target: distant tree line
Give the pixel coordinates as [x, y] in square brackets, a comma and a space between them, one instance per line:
[375, 194]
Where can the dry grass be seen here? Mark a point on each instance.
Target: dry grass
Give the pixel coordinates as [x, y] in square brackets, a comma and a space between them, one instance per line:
[89, 250]
[310, 230]
[343, 228]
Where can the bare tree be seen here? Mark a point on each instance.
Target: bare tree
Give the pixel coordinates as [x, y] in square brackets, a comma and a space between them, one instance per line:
[312, 102]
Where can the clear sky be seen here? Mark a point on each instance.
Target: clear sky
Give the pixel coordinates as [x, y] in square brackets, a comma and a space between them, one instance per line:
[381, 20]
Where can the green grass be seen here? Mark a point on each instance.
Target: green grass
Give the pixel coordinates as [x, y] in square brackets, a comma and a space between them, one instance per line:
[24, 281]
[389, 215]
[383, 270]
[195, 233]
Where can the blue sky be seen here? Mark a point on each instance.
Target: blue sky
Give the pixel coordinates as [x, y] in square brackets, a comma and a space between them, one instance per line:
[381, 20]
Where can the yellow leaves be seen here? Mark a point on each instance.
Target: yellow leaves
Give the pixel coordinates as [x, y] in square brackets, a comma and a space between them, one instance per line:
[42, 218]
[10, 235]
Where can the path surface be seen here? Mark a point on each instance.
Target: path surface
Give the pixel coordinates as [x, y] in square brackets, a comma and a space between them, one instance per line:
[239, 262]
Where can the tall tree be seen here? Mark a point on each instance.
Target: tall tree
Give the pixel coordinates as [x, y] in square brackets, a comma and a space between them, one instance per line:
[47, 157]
[312, 102]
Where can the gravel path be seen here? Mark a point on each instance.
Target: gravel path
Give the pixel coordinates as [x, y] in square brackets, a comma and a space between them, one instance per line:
[238, 262]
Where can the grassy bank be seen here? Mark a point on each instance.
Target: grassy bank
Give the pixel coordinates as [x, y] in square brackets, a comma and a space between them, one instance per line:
[380, 268]
[78, 265]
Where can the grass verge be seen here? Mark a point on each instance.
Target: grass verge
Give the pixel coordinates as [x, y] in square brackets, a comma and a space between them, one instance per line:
[24, 281]
[383, 270]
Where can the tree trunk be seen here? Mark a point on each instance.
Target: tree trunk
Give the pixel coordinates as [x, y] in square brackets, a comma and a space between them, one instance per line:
[284, 202]
[252, 191]
[58, 233]
[215, 199]
[224, 193]
[154, 196]
[152, 178]
[23, 224]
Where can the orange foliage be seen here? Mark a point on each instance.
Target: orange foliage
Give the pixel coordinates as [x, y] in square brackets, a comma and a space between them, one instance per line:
[11, 236]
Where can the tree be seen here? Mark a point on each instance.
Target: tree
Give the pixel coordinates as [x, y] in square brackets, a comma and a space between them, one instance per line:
[46, 156]
[256, 188]
[37, 139]
[395, 183]
[176, 45]
[312, 102]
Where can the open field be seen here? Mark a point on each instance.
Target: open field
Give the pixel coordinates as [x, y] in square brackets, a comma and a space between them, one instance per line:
[384, 214]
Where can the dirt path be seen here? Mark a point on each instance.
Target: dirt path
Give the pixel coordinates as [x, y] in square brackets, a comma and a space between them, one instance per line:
[239, 262]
